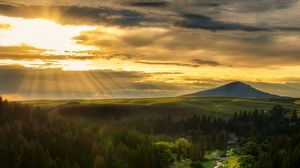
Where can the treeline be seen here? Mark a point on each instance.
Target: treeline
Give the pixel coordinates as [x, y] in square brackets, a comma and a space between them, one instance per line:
[205, 132]
[244, 124]
[32, 137]
[278, 152]
[267, 138]
[276, 121]
[281, 152]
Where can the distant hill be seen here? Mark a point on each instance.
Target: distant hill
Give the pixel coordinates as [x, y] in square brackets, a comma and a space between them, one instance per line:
[176, 107]
[235, 89]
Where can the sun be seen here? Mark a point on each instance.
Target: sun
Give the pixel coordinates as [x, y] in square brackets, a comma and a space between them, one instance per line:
[43, 34]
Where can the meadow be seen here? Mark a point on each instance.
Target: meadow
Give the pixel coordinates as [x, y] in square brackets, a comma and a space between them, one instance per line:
[182, 106]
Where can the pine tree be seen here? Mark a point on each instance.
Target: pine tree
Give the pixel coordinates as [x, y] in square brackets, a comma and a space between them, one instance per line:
[294, 116]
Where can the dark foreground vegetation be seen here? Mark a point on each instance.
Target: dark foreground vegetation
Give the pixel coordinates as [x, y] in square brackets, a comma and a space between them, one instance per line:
[32, 137]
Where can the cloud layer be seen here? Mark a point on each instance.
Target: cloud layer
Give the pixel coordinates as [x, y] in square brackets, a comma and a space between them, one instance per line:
[156, 48]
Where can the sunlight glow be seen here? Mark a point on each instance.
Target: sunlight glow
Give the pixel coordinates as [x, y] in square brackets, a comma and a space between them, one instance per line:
[43, 34]
[75, 65]
[66, 65]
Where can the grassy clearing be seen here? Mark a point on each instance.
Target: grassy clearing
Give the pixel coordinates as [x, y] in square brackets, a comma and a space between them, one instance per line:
[211, 157]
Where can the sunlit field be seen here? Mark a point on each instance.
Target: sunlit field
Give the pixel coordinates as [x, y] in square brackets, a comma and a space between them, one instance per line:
[217, 106]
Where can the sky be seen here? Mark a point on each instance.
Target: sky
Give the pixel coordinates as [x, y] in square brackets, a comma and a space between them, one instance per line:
[61, 49]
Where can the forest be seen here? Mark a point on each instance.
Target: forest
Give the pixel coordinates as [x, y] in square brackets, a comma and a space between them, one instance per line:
[35, 137]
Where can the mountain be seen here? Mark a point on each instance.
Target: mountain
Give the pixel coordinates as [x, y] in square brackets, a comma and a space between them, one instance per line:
[235, 89]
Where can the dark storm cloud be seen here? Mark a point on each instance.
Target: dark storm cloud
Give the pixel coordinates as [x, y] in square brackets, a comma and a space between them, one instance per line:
[240, 6]
[94, 15]
[156, 4]
[78, 14]
[196, 21]
[168, 63]
[206, 62]
[208, 4]
[229, 5]
[259, 6]
[287, 28]
[195, 63]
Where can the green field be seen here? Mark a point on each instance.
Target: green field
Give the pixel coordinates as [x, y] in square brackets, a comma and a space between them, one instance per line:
[219, 106]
